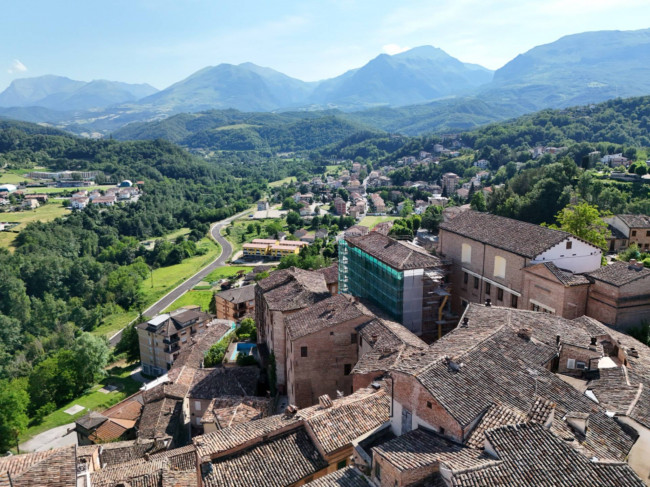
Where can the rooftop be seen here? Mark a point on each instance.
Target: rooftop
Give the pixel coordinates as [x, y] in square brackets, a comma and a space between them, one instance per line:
[280, 461]
[293, 288]
[324, 314]
[619, 273]
[396, 254]
[635, 221]
[565, 277]
[346, 477]
[224, 381]
[521, 238]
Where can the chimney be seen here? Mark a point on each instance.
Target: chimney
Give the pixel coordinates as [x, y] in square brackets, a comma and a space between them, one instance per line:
[557, 340]
[465, 322]
[593, 340]
[291, 410]
[524, 333]
[325, 401]
[488, 302]
[578, 421]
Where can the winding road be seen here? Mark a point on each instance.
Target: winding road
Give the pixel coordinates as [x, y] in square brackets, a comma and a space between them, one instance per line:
[226, 251]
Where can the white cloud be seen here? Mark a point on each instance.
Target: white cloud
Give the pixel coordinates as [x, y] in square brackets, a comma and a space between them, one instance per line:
[394, 49]
[16, 67]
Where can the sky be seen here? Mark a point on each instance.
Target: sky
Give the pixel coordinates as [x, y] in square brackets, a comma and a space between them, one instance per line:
[163, 41]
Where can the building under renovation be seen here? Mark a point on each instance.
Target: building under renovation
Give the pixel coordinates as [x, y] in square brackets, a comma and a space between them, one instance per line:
[401, 278]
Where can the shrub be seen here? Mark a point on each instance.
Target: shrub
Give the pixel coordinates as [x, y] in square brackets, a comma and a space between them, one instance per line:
[244, 360]
[215, 355]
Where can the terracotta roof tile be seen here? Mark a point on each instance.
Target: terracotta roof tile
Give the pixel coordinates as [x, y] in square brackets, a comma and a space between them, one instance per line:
[324, 314]
[495, 416]
[396, 254]
[619, 274]
[521, 238]
[282, 460]
[140, 474]
[636, 221]
[346, 477]
[55, 468]
[293, 288]
[567, 278]
[224, 381]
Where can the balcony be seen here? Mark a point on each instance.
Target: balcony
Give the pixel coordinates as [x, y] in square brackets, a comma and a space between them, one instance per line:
[172, 348]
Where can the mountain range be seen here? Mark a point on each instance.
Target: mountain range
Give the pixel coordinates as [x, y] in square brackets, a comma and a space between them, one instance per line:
[423, 89]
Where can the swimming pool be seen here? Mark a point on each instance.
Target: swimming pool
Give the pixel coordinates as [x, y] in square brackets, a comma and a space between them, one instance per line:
[245, 348]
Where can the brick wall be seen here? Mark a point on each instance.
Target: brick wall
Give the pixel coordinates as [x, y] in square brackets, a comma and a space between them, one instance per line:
[323, 370]
[622, 307]
[541, 286]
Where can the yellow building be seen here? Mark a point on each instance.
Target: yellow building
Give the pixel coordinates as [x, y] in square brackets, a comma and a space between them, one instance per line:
[254, 249]
[283, 250]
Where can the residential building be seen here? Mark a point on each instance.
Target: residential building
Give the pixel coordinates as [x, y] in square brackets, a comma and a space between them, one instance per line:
[235, 304]
[331, 275]
[163, 337]
[619, 294]
[262, 205]
[226, 412]
[377, 203]
[340, 206]
[383, 227]
[283, 293]
[636, 228]
[450, 182]
[41, 198]
[549, 289]
[482, 163]
[321, 349]
[489, 254]
[30, 204]
[356, 231]
[108, 200]
[114, 424]
[79, 202]
[501, 367]
[401, 278]
[294, 448]
[615, 160]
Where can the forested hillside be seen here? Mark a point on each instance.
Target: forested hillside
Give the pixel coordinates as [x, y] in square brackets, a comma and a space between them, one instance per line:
[232, 130]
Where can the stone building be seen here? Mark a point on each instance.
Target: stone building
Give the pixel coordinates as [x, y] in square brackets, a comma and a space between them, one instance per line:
[281, 294]
[635, 228]
[489, 255]
[322, 349]
[619, 294]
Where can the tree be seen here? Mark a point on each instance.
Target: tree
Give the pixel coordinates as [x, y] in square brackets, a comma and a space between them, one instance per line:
[13, 413]
[91, 354]
[583, 220]
[477, 202]
[129, 344]
[432, 218]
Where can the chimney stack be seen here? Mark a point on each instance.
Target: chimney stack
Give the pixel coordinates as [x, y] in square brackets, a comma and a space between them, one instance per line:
[465, 322]
[488, 302]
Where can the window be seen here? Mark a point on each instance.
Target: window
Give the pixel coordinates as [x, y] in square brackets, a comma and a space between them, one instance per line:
[429, 405]
[499, 266]
[647, 233]
[514, 301]
[463, 303]
[581, 365]
[331, 333]
[466, 256]
[377, 471]
[442, 431]
[303, 351]
[569, 244]
[500, 294]
[475, 282]
[488, 288]
[341, 464]
[571, 363]
[465, 277]
[634, 233]
[197, 420]
[347, 368]
[353, 338]
[197, 405]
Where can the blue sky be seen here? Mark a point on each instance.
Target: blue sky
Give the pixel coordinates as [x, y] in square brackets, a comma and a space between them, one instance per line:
[163, 41]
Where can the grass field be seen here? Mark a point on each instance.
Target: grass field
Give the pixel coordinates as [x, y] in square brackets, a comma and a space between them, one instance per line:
[44, 213]
[225, 272]
[199, 298]
[290, 179]
[11, 178]
[52, 190]
[164, 280]
[92, 400]
[371, 221]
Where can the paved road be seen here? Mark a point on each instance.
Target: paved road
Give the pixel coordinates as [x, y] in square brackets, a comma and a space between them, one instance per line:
[52, 438]
[226, 251]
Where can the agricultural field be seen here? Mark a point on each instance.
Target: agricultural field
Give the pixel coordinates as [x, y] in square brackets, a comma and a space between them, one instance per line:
[280, 182]
[201, 298]
[43, 213]
[371, 221]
